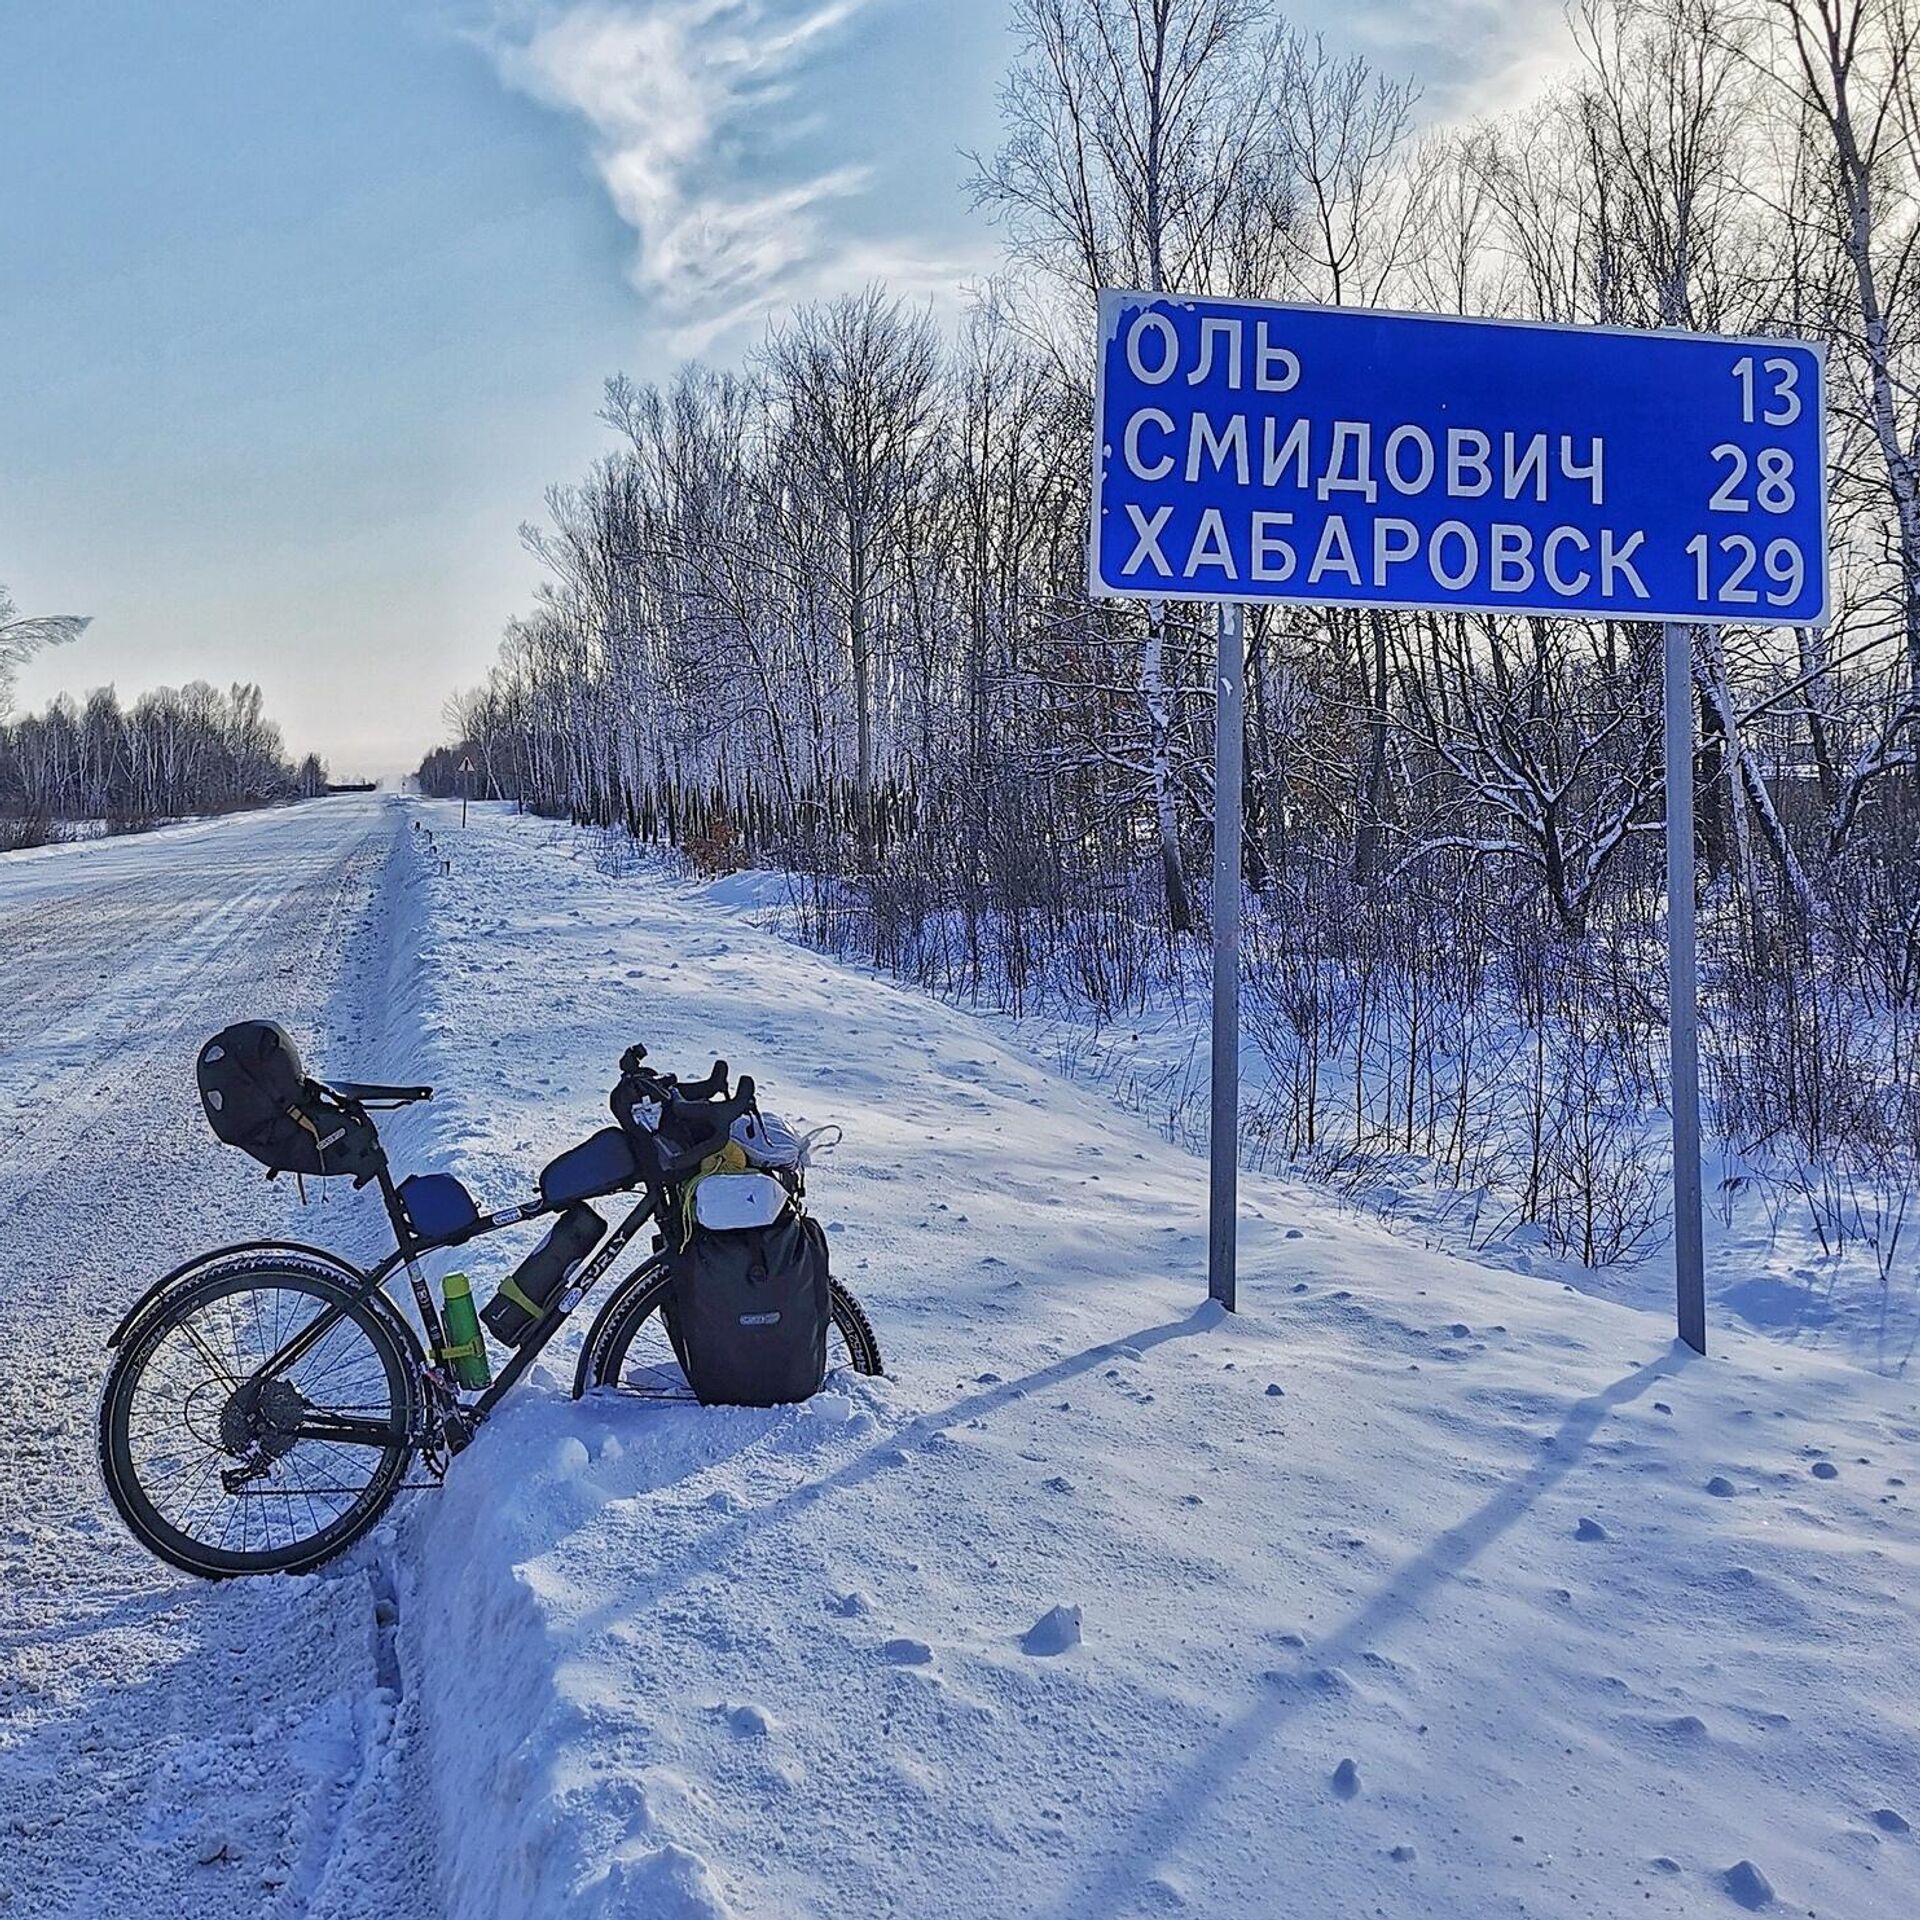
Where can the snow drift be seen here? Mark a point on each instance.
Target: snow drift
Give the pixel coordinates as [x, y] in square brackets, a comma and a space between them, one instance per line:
[1417, 1587]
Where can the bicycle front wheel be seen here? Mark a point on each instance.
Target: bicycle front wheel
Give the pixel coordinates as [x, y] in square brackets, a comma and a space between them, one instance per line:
[223, 1465]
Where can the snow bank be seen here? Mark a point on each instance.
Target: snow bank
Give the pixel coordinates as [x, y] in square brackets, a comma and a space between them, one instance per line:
[1769, 1269]
[1417, 1588]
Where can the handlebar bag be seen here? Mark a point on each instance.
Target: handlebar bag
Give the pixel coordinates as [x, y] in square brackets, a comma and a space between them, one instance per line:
[748, 1309]
[258, 1099]
[730, 1199]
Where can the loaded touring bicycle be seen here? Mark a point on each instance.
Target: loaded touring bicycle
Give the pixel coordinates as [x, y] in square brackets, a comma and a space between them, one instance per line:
[266, 1400]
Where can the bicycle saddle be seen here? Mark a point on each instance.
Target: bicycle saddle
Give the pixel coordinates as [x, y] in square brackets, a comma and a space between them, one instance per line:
[364, 1090]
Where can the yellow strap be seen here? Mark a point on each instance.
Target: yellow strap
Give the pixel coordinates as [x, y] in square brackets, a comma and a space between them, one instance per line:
[511, 1289]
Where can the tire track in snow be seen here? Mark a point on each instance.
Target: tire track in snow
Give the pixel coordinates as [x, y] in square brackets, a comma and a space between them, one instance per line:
[64, 970]
[170, 994]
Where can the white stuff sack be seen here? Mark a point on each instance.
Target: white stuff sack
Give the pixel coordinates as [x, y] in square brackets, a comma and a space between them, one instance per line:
[768, 1141]
[729, 1202]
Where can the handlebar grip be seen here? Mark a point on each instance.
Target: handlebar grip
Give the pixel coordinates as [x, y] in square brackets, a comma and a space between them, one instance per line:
[715, 1119]
[713, 1087]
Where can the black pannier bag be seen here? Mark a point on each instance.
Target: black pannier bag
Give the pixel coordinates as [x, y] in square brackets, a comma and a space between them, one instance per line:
[529, 1290]
[748, 1311]
[258, 1099]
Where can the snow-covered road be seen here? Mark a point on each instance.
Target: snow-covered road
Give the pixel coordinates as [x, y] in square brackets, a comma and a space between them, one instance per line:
[146, 1721]
[1419, 1589]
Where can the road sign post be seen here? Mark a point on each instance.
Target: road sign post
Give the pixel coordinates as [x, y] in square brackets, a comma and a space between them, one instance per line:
[1223, 1133]
[1683, 989]
[1337, 456]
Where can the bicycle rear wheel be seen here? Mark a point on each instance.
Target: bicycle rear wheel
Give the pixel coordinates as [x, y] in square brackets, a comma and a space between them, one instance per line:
[222, 1468]
[629, 1348]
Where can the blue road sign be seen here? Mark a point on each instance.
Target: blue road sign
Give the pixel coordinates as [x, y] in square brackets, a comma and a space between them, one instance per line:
[1247, 451]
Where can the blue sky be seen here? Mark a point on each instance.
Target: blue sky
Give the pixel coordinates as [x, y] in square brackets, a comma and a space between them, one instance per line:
[304, 304]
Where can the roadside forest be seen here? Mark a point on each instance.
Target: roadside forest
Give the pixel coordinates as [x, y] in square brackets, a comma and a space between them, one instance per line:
[97, 766]
[827, 612]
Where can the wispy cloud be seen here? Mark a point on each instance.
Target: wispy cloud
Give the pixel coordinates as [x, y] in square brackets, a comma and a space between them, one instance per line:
[678, 96]
[1472, 56]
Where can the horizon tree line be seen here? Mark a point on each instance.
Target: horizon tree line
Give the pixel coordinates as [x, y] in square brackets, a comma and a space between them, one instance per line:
[173, 752]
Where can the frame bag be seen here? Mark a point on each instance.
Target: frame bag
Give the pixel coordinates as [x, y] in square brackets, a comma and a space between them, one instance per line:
[258, 1099]
[748, 1308]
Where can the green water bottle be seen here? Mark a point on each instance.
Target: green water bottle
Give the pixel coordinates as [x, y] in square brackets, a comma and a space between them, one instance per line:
[466, 1349]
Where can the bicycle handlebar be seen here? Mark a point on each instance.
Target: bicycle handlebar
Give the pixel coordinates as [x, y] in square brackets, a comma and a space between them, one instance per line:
[696, 1116]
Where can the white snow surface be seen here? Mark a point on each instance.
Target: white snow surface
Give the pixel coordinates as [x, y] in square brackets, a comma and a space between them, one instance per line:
[1417, 1588]
[1766, 1270]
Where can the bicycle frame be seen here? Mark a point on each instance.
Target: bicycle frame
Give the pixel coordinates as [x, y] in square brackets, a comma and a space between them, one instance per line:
[441, 1414]
[456, 1419]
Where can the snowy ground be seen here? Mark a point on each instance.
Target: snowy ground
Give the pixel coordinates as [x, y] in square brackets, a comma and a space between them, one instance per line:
[775, 1663]
[1767, 1271]
[1420, 1588]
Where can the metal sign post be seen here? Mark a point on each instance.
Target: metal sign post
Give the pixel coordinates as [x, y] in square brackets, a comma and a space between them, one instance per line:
[1683, 988]
[1223, 1136]
[1341, 456]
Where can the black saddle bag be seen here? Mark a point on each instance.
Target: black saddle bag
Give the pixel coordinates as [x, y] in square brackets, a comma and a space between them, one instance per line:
[748, 1312]
[258, 1098]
